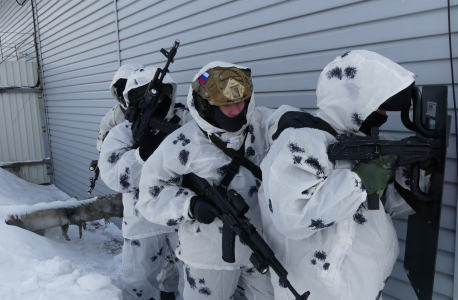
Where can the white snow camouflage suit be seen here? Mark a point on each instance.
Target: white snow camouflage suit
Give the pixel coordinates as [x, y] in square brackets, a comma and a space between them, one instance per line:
[314, 212]
[163, 201]
[144, 242]
[115, 115]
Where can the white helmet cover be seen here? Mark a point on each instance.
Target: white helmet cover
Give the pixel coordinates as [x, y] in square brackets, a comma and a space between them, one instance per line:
[122, 73]
[141, 77]
[354, 85]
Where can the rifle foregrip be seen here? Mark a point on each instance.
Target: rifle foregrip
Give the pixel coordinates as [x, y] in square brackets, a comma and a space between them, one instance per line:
[228, 244]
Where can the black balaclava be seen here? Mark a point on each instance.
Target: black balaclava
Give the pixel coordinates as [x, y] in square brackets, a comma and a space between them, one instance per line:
[375, 119]
[229, 124]
[163, 108]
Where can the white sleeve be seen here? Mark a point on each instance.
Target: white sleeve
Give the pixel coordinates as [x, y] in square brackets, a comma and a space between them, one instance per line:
[120, 166]
[162, 199]
[113, 117]
[305, 193]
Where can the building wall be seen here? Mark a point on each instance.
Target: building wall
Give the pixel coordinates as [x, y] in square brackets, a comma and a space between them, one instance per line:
[286, 43]
[22, 150]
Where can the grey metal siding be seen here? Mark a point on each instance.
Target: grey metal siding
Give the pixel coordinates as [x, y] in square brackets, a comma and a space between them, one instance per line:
[286, 43]
[79, 54]
[16, 30]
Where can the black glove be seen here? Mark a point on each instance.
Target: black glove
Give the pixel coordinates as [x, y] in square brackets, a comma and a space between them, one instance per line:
[149, 143]
[294, 119]
[202, 210]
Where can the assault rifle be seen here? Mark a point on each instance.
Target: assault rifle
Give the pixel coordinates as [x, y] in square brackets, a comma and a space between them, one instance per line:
[95, 168]
[232, 208]
[431, 122]
[141, 116]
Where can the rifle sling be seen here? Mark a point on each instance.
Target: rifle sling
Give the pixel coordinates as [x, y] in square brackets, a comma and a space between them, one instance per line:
[238, 159]
[324, 126]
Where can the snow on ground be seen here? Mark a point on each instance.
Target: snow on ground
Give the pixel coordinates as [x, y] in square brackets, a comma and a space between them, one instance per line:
[49, 267]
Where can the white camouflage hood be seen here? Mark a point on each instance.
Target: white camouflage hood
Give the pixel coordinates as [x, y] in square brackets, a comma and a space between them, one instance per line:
[143, 76]
[236, 138]
[122, 73]
[354, 85]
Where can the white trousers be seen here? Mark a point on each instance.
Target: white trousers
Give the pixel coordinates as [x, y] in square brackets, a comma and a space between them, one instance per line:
[149, 266]
[222, 284]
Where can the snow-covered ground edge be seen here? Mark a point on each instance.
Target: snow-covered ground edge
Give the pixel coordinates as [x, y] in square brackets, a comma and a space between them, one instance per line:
[49, 267]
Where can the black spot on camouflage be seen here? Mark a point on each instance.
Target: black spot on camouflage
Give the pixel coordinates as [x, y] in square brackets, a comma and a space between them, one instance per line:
[222, 171]
[251, 132]
[183, 139]
[181, 191]
[253, 189]
[136, 82]
[183, 157]
[297, 159]
[205, 291]
[201, 280]
[313, 261]
[174, 222]
[334, 73]
[270, 206]
[294, 148]
[357, 119]
[258, 183]
[198, 230]
[250, 270]
[326, 266]
[190, 279]
[136, 193]
[249, 152]
[406, 174]
[350, 72]
[126, 240]
[124, 180]
[155, 190]
[138, 293]
[378, 295]
[345, 54]
[220, 229]
[320, 224]
[192, 102]
[114, 157]
[153, 259]
[386, 280]
[320, 255]
[315, 164]
[135, 243]
[358, 217]
[175, 180]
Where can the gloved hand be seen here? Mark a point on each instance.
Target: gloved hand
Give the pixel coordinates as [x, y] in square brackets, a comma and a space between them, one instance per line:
[148, 144]
[429, 165]
[294, 119]
[202, 210]
[373, 175]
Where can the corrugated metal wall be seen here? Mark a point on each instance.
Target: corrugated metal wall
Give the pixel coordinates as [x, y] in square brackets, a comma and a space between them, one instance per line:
[79, 55]
[21, 131]
[16, 31]
[286, 43]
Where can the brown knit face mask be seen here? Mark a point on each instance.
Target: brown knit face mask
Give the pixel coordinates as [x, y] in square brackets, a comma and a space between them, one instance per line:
[224, 86]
